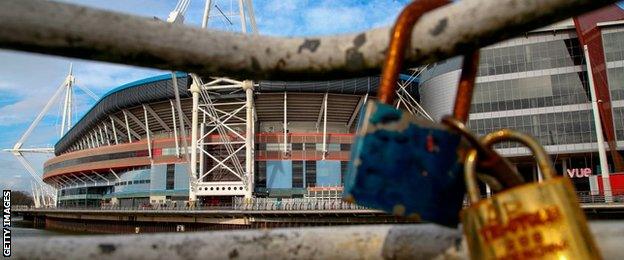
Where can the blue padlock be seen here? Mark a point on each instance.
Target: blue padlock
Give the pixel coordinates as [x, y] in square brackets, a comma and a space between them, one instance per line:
[400, 163]
[406, 165]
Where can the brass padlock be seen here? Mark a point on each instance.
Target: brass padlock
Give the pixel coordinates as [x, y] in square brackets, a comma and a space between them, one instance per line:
[531, 221]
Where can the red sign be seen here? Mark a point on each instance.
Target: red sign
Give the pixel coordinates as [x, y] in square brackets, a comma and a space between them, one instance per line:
[579, 173]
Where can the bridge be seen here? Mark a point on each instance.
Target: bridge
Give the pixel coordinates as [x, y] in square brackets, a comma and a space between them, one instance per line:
[147, 220]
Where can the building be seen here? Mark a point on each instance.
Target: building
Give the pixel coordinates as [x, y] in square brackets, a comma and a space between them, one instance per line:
[539, 84]
[128, 149]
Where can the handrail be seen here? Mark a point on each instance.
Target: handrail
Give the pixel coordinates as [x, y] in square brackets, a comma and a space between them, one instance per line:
[265, 204]
[420, 241]
[87, 33]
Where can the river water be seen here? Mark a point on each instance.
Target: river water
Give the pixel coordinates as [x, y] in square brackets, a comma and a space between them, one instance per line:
[25, 229]
[21, 232]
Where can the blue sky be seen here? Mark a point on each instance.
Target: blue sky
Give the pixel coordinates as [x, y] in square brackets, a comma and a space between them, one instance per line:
[27, 81]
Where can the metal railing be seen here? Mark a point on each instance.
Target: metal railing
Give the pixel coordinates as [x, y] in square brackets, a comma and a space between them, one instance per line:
[86, 33]
[295, 204]
[587, 197]
[272, 204]
[239, 204]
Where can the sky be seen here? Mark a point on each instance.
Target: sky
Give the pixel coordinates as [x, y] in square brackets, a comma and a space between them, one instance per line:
[27, 81]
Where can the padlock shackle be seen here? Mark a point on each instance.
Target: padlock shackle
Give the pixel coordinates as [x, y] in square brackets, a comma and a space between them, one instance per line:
[470, 175]
[465, 89]
[543, 160]
[489, 140]
[399, 40]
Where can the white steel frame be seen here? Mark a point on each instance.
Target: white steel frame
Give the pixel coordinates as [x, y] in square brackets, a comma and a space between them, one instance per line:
[43, 193]
[225, 124]
[407, 100]
[234, 140]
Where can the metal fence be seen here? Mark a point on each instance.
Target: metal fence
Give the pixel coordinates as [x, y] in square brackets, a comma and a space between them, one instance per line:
[294, 204]
[587, 197]
[238, 204]
[273, 204]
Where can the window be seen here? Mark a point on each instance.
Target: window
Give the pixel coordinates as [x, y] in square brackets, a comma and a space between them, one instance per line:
[535, 56]
[260, 174]
[344, 167]
[297, 146]
[612, 46]
[309, 146]
[95, 158]
[170, 177]
[297, 174]
[310, 173]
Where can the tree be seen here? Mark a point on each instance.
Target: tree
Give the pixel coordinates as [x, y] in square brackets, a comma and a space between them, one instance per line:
[21, 198]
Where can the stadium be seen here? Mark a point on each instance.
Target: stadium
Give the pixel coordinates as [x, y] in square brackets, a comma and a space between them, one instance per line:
[129, 149]
[293, 139]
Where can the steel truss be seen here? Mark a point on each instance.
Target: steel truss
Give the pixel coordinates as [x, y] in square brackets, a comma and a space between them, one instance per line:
[222, 135]
[43, 193]
[405, 99]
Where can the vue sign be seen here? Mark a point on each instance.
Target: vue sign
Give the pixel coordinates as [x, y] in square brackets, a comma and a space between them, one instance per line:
[579, 173]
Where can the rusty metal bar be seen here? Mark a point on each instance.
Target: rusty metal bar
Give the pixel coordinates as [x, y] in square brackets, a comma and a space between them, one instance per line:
[463, 99]
[425, 241]
[399, 40]
[87, 33]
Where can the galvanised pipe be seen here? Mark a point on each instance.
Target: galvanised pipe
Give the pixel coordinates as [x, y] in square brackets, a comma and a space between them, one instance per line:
[87, 33]
[424, 241]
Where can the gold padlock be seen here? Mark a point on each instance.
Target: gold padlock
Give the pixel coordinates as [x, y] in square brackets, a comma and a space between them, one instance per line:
[531, 221]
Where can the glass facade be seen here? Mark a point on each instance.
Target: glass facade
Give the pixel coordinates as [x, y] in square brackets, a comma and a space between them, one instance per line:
[310, 173]
[135, 182]
[297, 174]
[616, 82]
[535, 56]
[618, 120]
[550, 129]
[613, 47]
[533, 92]
[560, 88]
[170, 177]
